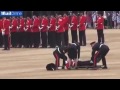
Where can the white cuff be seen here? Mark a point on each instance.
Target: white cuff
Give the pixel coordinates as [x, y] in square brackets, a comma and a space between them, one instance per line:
[56, 28]
[71, 26]
[9, 27]
[3, 32]
[48, 27]
[72, 23]
[18, 27]
[39, 28]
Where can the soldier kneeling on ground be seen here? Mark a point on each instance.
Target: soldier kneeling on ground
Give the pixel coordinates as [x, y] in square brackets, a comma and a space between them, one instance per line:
[99, 51]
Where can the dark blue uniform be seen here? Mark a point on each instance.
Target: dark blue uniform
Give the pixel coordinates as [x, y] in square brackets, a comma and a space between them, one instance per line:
[102, 51]
[74, 51]
[60, 53]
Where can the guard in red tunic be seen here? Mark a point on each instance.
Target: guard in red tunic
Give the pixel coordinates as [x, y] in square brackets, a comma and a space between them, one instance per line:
[82, 28]
[28, 32]
[52, 31]
[100, 27]
[66, 24]
[6, 33]
[36, 32]
[74, 23]
[40, 20]
[44, 29]
[21, 32]
[60, 31]
[1, 37]
[14, 30]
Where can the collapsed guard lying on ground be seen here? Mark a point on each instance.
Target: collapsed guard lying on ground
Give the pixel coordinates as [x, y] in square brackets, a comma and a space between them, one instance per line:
[99, 51]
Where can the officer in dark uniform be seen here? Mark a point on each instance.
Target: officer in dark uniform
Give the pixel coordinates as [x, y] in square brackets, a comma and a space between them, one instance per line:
[102, 51]
[73, 54]
[74, 50]
[59, 53]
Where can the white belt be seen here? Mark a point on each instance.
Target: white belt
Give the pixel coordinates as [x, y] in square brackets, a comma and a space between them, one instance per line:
[59, 50]
[74, 44]
[101, 45]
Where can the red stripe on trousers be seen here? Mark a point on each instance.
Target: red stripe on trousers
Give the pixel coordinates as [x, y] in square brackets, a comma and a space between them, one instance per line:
[57, 60]
[95, 57]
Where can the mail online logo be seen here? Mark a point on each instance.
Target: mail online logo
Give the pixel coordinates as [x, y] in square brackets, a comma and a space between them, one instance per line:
[11, 13]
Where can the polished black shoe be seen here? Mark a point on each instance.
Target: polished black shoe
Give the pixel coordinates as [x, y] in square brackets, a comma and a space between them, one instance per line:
[63, 67]
[105, 67]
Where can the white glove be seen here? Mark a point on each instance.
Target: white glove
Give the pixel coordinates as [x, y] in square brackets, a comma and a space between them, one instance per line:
[10, 27]
[27, 26]
[48, 27]
[41, 28]
[56, 28]
[31, 25]
[71, 26]
[26, 29]
[17, 27]
[3, 32]
[42, 25]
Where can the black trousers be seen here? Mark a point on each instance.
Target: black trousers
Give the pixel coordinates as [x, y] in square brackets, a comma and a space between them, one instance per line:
[82, 38]
[72, 53]
[56, 38]
[44, 39]
[74, 36]
[60, 39]
[21, 39]
[97, 58]
[6, 42]
[1, 40]
[49, 38]
[28, 39]
[101, 55]
[14, 39]
[100, 36]
[66, 37]
[57, 58]
[52, 39]
[36, 39]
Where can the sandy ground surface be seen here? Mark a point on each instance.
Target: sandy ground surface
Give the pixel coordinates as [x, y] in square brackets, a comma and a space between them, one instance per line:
[30, 63]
